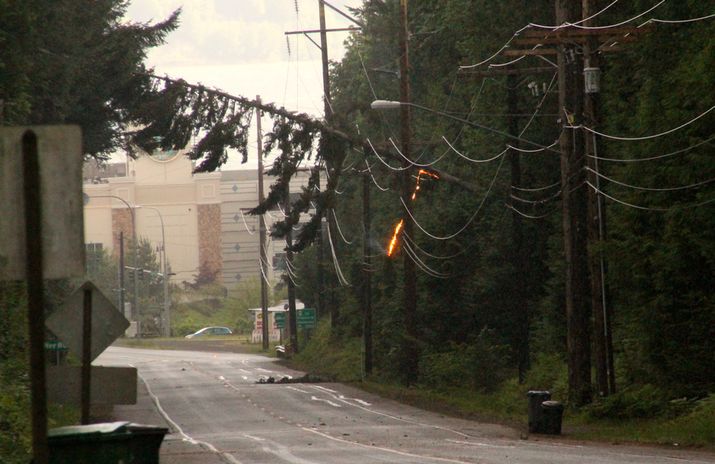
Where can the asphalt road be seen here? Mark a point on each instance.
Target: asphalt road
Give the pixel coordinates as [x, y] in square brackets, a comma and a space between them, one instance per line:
[217, 413]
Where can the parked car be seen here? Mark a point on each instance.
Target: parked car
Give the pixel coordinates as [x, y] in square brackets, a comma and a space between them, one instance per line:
[210, 331]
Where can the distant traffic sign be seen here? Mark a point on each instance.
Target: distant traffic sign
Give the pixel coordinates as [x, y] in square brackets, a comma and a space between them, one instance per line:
[108, 323]
[55, 345]
[306, 318]
[280, 320]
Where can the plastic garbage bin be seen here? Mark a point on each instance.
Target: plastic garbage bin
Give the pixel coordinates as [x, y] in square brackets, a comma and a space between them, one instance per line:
[106, 443]
[552, 413]
[536, 397]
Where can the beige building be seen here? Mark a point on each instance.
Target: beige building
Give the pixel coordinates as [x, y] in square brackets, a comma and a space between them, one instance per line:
[204, 215]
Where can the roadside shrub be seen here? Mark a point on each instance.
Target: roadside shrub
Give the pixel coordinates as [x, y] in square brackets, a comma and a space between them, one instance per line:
[633, 402]
[478, 365]
[548, 372]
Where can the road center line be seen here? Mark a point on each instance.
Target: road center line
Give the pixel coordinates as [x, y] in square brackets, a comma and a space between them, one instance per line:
[408, 421]
[388, 450]
[225, 456]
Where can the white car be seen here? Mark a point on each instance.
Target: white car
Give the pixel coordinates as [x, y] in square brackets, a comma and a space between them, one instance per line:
[210, 331]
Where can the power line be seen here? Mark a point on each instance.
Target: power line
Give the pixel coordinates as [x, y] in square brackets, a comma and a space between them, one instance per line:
[651, 158]
[474, 215]
[537, 189]
[647, 137]
[678, 21]
[652, 189]
[647, 208]
[528, 216]
[337, 224]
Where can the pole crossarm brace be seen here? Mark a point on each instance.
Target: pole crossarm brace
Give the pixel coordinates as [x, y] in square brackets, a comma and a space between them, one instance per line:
[608, 39]
[303, 118]
[317, 31]
[345, 15]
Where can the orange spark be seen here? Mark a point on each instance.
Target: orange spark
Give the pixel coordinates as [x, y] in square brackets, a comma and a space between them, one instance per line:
[395, 234]
[398, 227]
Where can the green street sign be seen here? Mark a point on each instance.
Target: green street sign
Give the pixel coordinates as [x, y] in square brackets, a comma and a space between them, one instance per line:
[306, 318]
[280, 319]
[55, 345]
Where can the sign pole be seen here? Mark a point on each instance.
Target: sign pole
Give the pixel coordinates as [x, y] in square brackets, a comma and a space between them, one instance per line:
[35, 294]
[86, 354]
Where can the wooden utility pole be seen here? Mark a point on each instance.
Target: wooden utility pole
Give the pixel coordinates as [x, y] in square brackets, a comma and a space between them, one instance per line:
[603, 353]
[574, 207]
[328, 110]
[292, 313]
[519, 260]
[367, 276]
[409, 362]
[263, 259]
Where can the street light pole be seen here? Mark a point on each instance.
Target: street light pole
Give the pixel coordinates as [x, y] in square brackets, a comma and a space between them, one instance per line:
[166, 315]
[135, 299]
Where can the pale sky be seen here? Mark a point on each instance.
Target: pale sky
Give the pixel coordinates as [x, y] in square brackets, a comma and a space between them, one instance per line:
[239, 46]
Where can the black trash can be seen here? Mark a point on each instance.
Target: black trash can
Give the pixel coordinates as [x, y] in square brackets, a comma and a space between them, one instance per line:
[552, 413]
[107, 443]
[536, 397]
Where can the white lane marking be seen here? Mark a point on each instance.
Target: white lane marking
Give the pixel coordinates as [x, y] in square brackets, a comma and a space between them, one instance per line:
[297, 389]
[226, 456]
[315, 398]
[387, 450]
[324, 389]
[254, 438]
[245, 371]
[408, 421]
[244, 377]
[262, 369]
[474, 443]
[357, 400]
[221, 378]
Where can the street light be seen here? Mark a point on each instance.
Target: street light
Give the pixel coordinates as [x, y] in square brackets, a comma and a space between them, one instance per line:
[166, 316]
[391, 105]
[135, 304]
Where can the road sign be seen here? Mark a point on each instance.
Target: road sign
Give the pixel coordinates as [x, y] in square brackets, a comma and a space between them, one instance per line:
[306, 318]
[108, 323]
[55, 345]
[60, 158]
[280, 320]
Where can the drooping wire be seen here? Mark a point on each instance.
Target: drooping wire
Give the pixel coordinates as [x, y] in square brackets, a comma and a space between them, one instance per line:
[542, 26]
[528, 216]
[651, 158]
[537, 189]
[647, 137]
[374, 181]
[610, 26]
[420, 264]
[678, 21]
[472, 160]
[651, 189]
[648, 208]
[340, 232]
[245, 224]
[536, 202]
[414, 163]
[403, 168]
[338, 272]
[469, 221]
[427, 253]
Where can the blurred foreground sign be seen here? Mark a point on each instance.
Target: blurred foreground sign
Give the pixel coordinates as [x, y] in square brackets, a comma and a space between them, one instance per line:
[60, 158]
[108, 323]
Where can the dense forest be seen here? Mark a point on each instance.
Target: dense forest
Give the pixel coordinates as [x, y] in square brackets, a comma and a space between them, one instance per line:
[487, 236]
[487, 304]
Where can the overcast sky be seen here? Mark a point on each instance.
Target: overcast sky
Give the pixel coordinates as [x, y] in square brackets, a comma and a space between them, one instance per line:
[239, 46]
